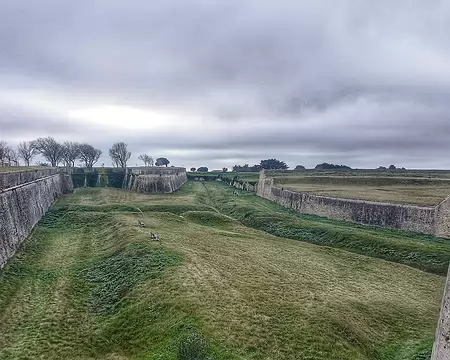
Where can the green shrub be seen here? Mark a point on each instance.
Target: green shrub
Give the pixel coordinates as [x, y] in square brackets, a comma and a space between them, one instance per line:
[193, 347]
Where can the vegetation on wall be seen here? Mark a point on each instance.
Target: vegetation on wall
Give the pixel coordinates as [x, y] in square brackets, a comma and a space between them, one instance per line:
[109, 177]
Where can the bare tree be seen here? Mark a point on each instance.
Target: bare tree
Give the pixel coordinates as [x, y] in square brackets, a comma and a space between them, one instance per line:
[146, 159]
[89, 155]
[143, 158]
[71, 153]
[11, 157]
[50, 149]
[119, 154]
[27, 151]
[3, 150]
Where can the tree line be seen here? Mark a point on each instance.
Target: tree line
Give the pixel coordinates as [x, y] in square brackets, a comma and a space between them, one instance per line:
[268, 164]
[67, 153]
[51, 150]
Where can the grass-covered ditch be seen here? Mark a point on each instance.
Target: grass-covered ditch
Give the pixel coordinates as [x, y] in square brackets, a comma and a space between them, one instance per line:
[78, 290]
[90, 284]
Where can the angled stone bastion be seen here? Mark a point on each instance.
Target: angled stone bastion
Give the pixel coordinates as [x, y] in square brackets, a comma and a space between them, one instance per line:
[24, 198]
[155, 180]
[441, 348]
[433, 220]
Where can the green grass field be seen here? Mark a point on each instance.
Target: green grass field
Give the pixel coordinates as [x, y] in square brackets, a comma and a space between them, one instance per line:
[21, 168]
[90, 284]
[407, 190]
[427, 174]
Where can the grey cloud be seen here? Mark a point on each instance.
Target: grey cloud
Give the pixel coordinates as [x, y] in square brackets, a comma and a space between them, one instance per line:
[353, 82]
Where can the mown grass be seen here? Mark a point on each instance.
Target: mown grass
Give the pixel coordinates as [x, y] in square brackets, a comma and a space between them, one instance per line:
[90, 284]
[421, 251]
[76, 292]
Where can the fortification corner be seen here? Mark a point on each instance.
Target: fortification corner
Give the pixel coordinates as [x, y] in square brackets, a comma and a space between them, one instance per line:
[443, 219]
[441, 348]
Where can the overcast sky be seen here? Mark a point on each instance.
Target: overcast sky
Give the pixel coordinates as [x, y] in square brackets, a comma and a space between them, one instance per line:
[215, 83]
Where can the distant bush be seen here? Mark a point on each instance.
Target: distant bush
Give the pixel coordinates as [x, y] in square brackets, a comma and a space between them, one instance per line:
[326, 166]
[202, 169]
[193, 347]
[246, 168]
[273, 164]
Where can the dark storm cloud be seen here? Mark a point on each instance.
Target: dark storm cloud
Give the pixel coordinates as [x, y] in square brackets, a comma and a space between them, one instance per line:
[355, 82]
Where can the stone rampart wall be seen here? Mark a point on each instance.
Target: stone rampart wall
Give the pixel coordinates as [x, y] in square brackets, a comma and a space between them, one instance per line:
[430, 220]
[156, 180]
[153, 170]
[14, 178]
[23, 205]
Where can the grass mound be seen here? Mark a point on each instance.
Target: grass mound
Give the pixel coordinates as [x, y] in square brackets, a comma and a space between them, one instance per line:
[111, 278]
[207, 218]
[111, 208]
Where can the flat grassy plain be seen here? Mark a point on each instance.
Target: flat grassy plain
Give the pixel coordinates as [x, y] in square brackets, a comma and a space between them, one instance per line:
[21, 168]
[394, 189]
[89, 283]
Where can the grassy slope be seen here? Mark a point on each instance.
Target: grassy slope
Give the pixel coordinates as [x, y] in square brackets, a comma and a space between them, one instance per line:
[422, 251]
[89, 285]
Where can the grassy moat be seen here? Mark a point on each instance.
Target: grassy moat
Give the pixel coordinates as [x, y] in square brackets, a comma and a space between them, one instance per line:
[253, 279]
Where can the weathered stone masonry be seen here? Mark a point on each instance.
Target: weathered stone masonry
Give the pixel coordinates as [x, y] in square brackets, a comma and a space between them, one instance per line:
[429, 220]
[24, 203]
[441, 348]
[155, 180]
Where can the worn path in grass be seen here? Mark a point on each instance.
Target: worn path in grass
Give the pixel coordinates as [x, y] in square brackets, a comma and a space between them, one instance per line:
[90, 285]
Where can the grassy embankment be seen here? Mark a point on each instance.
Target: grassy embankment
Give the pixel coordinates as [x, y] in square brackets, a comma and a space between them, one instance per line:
[90, 285]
